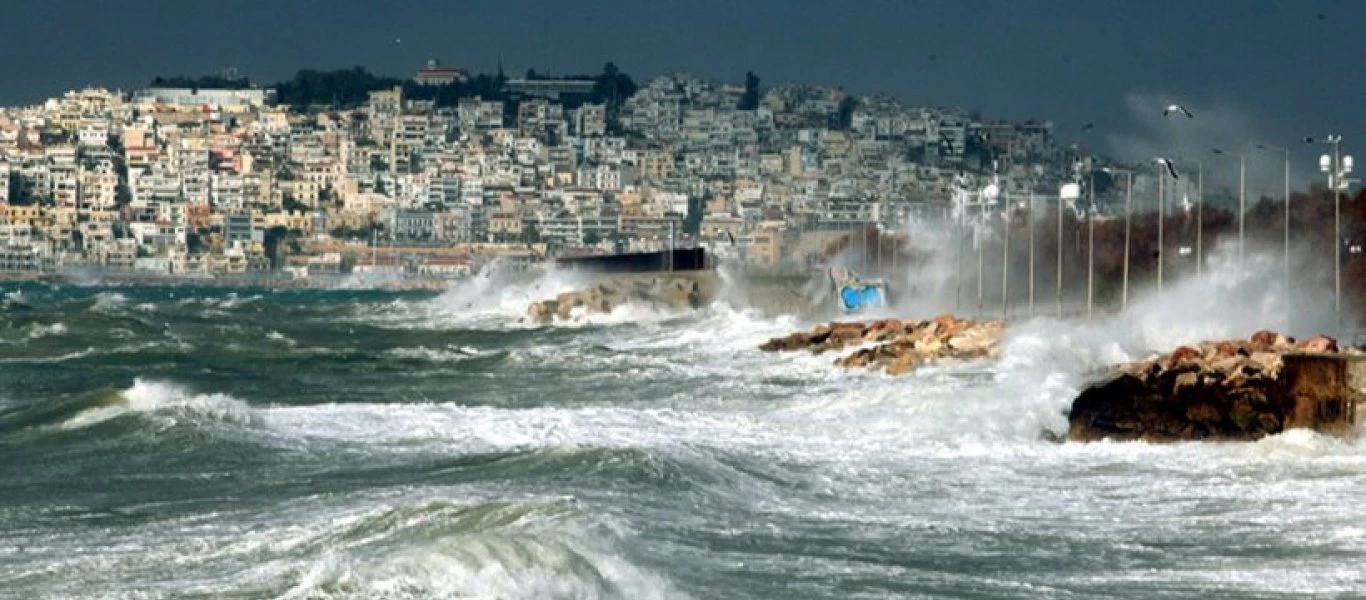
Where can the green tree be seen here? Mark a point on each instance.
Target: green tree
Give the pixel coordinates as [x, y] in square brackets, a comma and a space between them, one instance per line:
[272, 241]
[18, 193]
[750, 99]
[530, 232]
[844, 117]
[218, 82]
[194, 244]
[290, 204]
[692, 221]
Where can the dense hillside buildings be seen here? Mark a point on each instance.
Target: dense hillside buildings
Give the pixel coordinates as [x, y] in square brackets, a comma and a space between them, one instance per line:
[184, 178]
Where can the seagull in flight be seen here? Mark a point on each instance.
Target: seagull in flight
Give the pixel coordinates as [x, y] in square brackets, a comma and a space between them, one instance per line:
[1087, 126]
[1177, 108]
[1167, 163]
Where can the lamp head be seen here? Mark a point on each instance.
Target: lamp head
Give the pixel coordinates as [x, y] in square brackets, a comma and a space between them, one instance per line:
[1347, 164]
[1325, 163]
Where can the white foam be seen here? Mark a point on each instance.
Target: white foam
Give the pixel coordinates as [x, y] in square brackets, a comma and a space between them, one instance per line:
[447, 354]
[108, 301]
[41, 331]
[167, 401]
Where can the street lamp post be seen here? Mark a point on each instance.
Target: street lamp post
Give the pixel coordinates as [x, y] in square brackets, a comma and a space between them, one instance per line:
[1337, 167]
[1031, 251]
[1199, 220]
[1161, 216]
[1005, 263]
[1128, 214]
[1242, 201]
[958, 281]
[1091, 249]
[1199, 217]
[979, 239]
[1071, 192]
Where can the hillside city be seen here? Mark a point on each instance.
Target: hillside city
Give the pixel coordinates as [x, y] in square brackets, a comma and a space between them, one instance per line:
[435, 174]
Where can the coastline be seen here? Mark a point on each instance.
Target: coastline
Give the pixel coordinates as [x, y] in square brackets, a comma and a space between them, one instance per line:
[245, 281]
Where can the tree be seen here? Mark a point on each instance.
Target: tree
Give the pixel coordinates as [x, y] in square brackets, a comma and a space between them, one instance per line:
[612, 88]
[340, 88]
[290, 204]
[530, 233]
[271, 240]
[750, 99]
[692, 222]
[219, 82]
[18, 193]
[591, 238]
[194, 244]
[844, 118]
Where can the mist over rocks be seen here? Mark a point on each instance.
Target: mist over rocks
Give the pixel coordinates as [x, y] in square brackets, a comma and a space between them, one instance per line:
[676, 293]
[897, 346]
[1226, 390]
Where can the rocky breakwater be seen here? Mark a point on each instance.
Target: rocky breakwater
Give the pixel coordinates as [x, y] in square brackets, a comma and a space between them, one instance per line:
[897, 346]
[1227, 390]
[657, 293]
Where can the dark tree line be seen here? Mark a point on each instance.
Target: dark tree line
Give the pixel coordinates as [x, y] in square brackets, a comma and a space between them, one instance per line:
[203, 81]
[350, 88]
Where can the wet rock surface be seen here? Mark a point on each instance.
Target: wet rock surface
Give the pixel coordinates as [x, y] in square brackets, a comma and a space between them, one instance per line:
[658, 293]
[1225, 390]
[895, 345]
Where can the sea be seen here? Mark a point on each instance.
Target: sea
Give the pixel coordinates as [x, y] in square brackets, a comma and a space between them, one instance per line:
[182, 442]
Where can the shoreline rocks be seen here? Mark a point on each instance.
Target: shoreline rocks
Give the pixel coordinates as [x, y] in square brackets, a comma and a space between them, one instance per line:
[894, 345]
[1225, 390]
[661, 293]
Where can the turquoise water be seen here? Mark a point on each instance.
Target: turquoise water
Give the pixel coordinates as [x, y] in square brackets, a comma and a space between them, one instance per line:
[182, 442]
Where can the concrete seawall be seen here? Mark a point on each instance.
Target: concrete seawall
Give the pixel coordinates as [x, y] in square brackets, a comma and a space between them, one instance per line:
[1325, 391]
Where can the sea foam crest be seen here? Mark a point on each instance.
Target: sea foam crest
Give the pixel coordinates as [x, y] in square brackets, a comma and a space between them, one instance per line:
[166, 400]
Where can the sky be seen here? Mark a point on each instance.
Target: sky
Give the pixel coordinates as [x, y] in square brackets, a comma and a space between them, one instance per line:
[1251, 70]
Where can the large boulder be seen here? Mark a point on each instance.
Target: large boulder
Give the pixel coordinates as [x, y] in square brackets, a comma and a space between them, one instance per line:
[1227, 390]
[672, 293]
[895, 345]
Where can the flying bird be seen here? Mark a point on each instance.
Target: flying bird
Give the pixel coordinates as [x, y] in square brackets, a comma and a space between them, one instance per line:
[1177, 108]
[1087, 126]
[1167, 163]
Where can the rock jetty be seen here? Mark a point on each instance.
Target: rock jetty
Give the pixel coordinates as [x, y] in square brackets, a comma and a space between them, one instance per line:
[659, 293]
[1226, 390]
[895, 345]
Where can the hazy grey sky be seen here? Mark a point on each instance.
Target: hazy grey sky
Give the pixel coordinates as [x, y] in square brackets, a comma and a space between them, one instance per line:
[1272, 70]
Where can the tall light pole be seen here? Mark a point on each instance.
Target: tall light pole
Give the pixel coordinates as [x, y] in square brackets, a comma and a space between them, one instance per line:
[1005, 263]
[1242, 202]
[1070, 191]
[1199, 215]
[1337, 167]
[1128, 214]
[1199, 219]
[958, 281]
[1161, 216]
[1286, 241]
[1091, 249]
[1031, 250]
